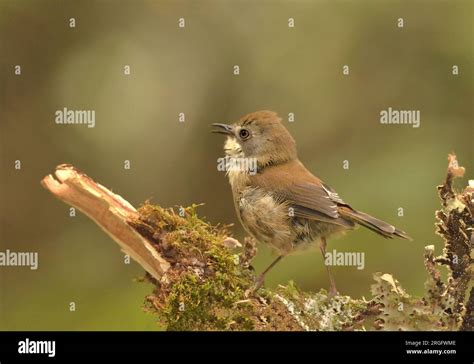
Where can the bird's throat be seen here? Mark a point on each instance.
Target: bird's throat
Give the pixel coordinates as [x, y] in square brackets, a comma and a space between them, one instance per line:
[233, 149]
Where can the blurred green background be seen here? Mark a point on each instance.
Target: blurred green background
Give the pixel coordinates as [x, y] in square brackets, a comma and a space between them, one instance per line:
[190, 70]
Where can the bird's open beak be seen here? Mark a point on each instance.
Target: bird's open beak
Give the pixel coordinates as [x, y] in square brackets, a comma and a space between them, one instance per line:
[223, 129]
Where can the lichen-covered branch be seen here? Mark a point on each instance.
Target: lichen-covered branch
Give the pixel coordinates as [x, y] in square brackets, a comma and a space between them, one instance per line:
[455, 226]
[202, 277]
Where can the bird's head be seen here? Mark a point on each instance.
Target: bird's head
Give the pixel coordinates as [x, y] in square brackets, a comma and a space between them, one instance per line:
[259, 135]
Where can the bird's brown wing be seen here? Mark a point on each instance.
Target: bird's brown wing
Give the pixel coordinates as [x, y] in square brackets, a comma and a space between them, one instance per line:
[319, 207]
[309, 198]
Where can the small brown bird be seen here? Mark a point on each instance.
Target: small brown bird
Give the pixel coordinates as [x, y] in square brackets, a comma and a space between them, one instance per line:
[278, 201]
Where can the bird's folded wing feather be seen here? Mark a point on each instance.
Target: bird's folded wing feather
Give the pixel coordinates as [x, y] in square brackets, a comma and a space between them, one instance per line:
[311, 199]
[293, 184]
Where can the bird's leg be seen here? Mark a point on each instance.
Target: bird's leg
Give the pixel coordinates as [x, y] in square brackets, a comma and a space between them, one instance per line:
[260, 279]
[332, 283]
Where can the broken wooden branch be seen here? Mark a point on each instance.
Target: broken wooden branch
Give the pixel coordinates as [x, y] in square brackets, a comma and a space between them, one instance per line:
[108, 210]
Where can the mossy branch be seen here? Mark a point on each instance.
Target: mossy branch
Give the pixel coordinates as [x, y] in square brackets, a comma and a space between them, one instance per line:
[202, 276]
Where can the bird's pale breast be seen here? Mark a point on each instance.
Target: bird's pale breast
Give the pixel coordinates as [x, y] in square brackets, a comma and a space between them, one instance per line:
[271, 222]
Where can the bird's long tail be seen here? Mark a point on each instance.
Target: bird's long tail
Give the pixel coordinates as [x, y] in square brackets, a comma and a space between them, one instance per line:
[378, 226]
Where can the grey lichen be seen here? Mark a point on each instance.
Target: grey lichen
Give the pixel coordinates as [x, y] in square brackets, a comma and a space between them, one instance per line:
[318, 311]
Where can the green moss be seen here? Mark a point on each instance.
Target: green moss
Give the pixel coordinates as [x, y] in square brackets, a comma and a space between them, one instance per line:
[205, 278]
[200, 305]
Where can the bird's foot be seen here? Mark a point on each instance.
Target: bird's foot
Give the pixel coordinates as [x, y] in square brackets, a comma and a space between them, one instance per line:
[332, 291]
[259, 281]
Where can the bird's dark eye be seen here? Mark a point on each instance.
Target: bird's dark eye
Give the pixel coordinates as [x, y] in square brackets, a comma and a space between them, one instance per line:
[244, 134]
